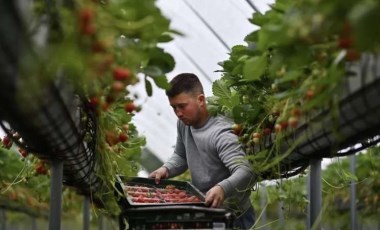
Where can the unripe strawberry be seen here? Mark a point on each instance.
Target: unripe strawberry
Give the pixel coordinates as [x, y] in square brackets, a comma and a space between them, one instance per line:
[278, 128]
[293, 122]
[237, 129]
[118, 86]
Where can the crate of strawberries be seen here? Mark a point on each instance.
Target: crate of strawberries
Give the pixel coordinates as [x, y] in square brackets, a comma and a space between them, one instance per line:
[139, 191]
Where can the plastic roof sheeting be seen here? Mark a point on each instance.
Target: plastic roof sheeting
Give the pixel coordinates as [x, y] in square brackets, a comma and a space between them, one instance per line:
[211, 29]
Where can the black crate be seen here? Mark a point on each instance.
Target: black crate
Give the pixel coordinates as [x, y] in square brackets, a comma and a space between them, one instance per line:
[149, 186]
[177, 217]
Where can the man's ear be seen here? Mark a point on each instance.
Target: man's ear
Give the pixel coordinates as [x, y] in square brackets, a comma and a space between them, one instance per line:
[201, 98]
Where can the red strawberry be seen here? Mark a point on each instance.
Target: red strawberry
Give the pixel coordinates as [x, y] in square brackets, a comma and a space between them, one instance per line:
[345, 42]
[94, 102]
[120, 74]
[352, 55]
[98, 47]
[86, 16]
[130, 107]
[88, 30]
[267, 131]
[111, 138]
[7, 142]
[40, 168]
[123, 137]
[24, 153]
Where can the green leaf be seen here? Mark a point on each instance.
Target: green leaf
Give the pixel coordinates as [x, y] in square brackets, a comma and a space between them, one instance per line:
[153, 71]
[365, 18]
[258, 19]
[148, 87]
[161, 59]
[254, 68]
[161, 82]
[220, 90]
[165, 38]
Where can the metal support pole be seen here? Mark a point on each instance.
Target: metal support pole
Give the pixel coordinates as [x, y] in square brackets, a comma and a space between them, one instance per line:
[280, 209]
[34, 223]
[56, 195]
[263, 202]
[101, 222]
[86, 213]
[308, 223]
[315, 193]
[3, 218]
[353, 210]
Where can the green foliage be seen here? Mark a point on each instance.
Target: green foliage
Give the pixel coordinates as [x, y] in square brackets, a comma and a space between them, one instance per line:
[100, 48]
[295, 61]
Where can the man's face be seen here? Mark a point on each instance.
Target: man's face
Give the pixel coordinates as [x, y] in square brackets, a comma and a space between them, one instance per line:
[187, 107]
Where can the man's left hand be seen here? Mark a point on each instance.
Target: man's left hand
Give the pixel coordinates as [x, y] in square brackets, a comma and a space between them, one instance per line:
[215, 197]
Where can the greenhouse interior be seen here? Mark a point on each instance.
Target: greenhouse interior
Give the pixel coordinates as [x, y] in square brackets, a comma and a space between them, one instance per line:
[94, 136]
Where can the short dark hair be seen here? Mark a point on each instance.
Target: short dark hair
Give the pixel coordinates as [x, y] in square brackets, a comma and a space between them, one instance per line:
[184, 82]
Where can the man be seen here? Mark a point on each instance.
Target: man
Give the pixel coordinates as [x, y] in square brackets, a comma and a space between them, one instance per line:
[207, 146]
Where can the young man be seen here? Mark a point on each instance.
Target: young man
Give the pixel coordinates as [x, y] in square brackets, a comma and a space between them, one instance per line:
[207, 146]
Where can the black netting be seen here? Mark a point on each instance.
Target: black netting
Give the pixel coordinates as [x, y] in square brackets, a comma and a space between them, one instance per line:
[356, 127]
[53, 121]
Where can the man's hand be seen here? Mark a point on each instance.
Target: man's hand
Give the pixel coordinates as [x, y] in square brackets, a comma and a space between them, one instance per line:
[215, 197]
[160, 173]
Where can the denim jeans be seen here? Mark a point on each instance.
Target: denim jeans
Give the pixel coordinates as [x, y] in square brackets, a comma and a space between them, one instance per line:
[246, 220]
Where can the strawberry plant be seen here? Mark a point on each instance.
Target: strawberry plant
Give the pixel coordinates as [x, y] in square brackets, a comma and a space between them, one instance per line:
[102, 48]
[292, 68]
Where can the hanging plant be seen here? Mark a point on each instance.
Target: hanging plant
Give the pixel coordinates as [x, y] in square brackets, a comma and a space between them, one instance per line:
[291, 70]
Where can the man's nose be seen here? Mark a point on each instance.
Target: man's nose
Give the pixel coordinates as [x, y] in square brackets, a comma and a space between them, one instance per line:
[178, 112]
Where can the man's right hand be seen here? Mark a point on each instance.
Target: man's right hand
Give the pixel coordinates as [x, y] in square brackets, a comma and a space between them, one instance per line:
[160, 173]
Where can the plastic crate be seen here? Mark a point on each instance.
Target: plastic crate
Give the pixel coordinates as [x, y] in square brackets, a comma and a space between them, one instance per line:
[177, 217]
[147, 187]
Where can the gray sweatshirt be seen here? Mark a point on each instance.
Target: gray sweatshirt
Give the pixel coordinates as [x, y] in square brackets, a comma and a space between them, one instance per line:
[214, 157]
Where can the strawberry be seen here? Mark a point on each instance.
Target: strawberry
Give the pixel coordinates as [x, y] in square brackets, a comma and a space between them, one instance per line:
[278, 128]
[267, 131]
[98, 47]
[256, 140]
[88, 30]
[256, 135]
[120, 74]
[7, 142]
[40, 168]
[296, 112]
[94, 102]
[111, 138]
[130, 107]
[86, 16]
[293, 122]
[123, 137]
[23, 152]
[352, 55]
[118, 86]
[345, 42]
[284, 125]
[309, 94]
[237, 129]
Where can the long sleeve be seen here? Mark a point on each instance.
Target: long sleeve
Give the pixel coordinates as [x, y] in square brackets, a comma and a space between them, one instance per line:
[177, 163]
